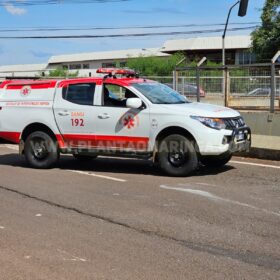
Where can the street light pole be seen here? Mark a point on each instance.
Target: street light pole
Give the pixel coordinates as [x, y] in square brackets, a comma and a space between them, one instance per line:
[242, 12]
[225, 31]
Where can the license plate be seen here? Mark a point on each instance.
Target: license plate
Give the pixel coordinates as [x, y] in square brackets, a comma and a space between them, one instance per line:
[240, 136]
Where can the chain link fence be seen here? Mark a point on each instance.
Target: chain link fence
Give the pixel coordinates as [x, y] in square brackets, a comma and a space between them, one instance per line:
[240, 87]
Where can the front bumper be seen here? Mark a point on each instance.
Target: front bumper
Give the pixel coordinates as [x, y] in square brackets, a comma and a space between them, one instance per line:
[217, 142]
[240, 140]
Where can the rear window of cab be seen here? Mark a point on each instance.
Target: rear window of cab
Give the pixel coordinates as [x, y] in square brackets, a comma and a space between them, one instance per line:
[81, 94]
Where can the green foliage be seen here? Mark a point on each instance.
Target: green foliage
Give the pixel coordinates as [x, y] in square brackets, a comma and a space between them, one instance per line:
[154, 66]
[266, 39]
[60, 72]
[213, 72]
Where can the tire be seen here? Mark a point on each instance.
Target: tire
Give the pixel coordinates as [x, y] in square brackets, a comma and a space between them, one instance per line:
[41, 151]
[84, 157]
[216, 161]
[177, 155]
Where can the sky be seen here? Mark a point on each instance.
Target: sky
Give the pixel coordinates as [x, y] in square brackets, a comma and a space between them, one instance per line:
[117, 13]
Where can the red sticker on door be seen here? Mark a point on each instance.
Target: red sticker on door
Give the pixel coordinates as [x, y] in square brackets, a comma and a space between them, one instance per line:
[25, 91]
[129, 120]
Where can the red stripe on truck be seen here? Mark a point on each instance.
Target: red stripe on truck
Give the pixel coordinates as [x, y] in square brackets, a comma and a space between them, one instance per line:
[90, 141]
[105, 141]
[13, 137]
[32, 86]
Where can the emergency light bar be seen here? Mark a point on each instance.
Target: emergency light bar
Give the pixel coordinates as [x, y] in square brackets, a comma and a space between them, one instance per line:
[115, 71]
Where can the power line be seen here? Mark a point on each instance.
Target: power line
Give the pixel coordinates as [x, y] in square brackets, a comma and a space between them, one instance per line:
[56, 2]
[34, 29]
[127, 35]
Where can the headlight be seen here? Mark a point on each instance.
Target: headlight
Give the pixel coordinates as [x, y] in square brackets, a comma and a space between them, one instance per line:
[211, 122]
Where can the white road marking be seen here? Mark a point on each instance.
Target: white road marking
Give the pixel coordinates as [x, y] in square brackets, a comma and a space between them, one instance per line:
[27, 257]
[1, 227]
[255, 164]
[97, 175]
[11, 147]
[203, 184]
[217, 198]
[73, 258]
[38, 215]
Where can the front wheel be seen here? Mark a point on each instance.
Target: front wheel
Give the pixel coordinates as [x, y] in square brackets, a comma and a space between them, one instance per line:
[216, 161]
[40, 150]
[177, 155]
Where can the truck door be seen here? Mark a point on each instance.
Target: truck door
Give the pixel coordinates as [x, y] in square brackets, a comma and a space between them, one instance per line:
[74, 114]
[118, 127]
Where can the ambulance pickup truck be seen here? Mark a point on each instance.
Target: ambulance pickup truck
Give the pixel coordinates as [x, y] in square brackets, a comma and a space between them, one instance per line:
[124, 117]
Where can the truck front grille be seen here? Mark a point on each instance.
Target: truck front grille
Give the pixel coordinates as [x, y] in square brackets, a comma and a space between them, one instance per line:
[233, 123]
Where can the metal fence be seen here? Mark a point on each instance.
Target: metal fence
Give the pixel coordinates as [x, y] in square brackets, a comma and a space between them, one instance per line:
[250, 87]
[241, 87]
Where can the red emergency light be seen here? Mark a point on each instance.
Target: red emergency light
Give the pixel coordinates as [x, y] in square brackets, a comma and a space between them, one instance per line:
[115, 71]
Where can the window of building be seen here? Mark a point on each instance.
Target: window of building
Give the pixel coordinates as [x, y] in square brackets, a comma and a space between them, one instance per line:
[75, 66]
[65, 67]
[81, 94]
[109, 65]
[86, 66]
[245, 57]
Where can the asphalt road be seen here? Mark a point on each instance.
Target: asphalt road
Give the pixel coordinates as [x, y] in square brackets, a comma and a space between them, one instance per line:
[122, 219]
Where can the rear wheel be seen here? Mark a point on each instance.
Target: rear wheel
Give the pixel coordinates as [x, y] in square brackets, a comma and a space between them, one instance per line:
[177, 155]
[41, 151]
[216, 161]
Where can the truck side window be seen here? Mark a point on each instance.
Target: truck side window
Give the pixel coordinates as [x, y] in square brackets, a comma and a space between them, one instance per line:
[116, 96]
[81, 94]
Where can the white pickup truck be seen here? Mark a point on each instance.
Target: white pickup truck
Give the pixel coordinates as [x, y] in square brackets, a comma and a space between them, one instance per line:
[127, 116]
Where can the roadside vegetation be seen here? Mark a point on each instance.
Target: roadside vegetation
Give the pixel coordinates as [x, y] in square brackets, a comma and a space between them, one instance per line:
[266, 38]
[60, 72]
[154, 66]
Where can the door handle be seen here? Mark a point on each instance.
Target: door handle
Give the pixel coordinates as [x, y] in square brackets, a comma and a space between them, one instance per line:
[63, 113]
[104, 116]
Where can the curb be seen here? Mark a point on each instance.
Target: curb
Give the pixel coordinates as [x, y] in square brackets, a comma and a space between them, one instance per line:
[261, 154]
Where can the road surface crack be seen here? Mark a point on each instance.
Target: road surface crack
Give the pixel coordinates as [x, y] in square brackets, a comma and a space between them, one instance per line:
[268, 262]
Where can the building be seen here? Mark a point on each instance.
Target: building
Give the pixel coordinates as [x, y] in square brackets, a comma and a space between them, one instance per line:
[95, 60]
[237, 49]
[27, 70]
[237, 52]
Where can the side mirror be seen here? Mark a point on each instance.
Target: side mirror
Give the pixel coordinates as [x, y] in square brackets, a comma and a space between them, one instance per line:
[134, 103]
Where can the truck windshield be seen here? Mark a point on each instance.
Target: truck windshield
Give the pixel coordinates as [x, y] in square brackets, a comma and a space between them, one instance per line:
[160, 94]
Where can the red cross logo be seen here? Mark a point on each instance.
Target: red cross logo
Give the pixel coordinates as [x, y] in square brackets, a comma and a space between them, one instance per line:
[25, 91]
[129, 122]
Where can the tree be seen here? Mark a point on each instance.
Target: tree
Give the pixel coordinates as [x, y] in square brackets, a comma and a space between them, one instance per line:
[154, 66]
[266, 38]
[60, 72]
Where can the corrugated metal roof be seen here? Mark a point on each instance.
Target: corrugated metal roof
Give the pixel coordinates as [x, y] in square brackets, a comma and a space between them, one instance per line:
[108, 55]
[207, 43]
[23, 68]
